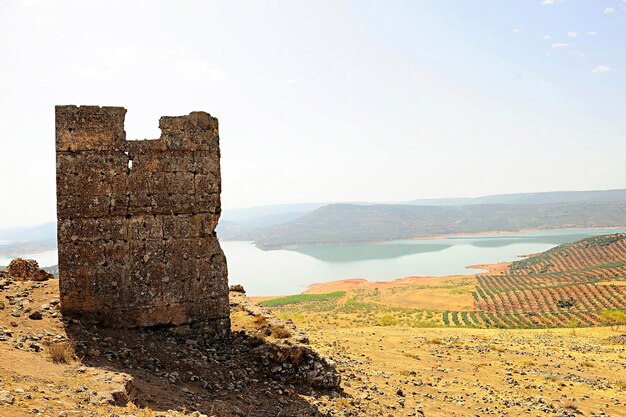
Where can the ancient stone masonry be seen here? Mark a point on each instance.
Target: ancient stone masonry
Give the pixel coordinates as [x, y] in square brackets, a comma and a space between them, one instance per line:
[136, 221]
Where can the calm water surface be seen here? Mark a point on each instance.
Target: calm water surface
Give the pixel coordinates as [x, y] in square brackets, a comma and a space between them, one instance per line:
[289, 271]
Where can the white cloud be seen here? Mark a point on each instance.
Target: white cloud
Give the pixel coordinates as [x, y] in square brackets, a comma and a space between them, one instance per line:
[545, 37]
[581, 55]
[609, 10]
[110, 62]
[292, 81]
[592, 33]
[93, 73]
[572, 34]
[560, 45]
[550, 2]
[517, 30]
[202, 69]
[600, 68]
[31, 4]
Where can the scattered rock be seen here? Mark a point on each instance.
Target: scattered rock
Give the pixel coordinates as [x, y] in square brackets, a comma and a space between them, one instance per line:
[119, 398]
[269, 323]
[94, 353]
[6, 397]
[620, 339]
[35, 315]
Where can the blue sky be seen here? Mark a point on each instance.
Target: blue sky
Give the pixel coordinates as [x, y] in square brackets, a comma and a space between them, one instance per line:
[329, 100]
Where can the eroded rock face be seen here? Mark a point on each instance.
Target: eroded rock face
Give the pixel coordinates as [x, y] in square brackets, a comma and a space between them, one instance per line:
[28, 270]
[136, 221]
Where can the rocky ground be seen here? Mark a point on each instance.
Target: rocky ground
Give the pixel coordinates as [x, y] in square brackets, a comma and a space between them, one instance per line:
[50, 366]
[400, 371]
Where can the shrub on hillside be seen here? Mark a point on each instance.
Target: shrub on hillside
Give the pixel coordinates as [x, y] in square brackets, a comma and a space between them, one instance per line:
[615, 318]
[388, 320]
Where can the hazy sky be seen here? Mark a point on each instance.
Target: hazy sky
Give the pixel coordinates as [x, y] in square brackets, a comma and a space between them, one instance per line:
[329, 100]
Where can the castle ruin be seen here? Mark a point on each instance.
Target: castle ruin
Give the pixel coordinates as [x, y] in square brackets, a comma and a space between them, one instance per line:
[136, 221]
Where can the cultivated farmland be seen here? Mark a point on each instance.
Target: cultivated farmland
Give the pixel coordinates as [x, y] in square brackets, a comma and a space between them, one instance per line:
[567, 286]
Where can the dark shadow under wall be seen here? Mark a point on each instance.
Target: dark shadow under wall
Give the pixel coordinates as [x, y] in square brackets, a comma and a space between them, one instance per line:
[171, 369]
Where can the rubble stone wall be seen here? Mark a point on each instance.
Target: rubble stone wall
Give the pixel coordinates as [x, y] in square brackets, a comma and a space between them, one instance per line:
[136, 221]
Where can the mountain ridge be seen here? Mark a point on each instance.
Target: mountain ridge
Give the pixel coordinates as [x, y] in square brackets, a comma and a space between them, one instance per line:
[344, 223]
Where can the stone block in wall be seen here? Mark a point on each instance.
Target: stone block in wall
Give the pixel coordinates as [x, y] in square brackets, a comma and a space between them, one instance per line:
[145, 227]
[208, 201]
[93, 229]
[82, 205]
[198, 131]
[90, 128]
[173, 203]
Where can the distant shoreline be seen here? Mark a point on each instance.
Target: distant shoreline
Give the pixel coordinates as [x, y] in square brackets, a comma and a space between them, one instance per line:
[349, 284]
[433, 237]
[502, 232]
[360, 283]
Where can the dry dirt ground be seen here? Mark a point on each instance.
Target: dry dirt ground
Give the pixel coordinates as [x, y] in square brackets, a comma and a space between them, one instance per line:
[385, 371]
[404, 371]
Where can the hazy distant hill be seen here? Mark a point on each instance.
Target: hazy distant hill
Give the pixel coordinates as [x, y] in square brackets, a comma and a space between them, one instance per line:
[345, 223]
[44, 234]
[530, 198]
[244, 224]
[251, 215]
[27, 240]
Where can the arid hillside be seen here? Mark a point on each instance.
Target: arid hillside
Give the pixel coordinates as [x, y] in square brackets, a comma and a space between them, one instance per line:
[60, 368]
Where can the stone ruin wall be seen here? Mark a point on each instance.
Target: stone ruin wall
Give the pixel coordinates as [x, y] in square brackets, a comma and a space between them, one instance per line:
[136, 221]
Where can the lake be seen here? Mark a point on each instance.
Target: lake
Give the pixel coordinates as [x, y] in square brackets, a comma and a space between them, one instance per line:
[290, 271]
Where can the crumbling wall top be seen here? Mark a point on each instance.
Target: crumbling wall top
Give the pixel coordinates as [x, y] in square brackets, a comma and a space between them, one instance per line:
[95, 128]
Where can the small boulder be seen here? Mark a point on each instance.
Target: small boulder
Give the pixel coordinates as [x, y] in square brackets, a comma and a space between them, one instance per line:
[27, 270]
[237, 288]
[6, 397]
[94, 353]
[35, 315]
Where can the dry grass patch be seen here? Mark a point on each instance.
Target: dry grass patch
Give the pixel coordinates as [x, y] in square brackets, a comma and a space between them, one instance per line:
[62, 352]
[280, 332]
[570, 405]
[411, 355]
[496, 348]
[259, 321]
[552, 377]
